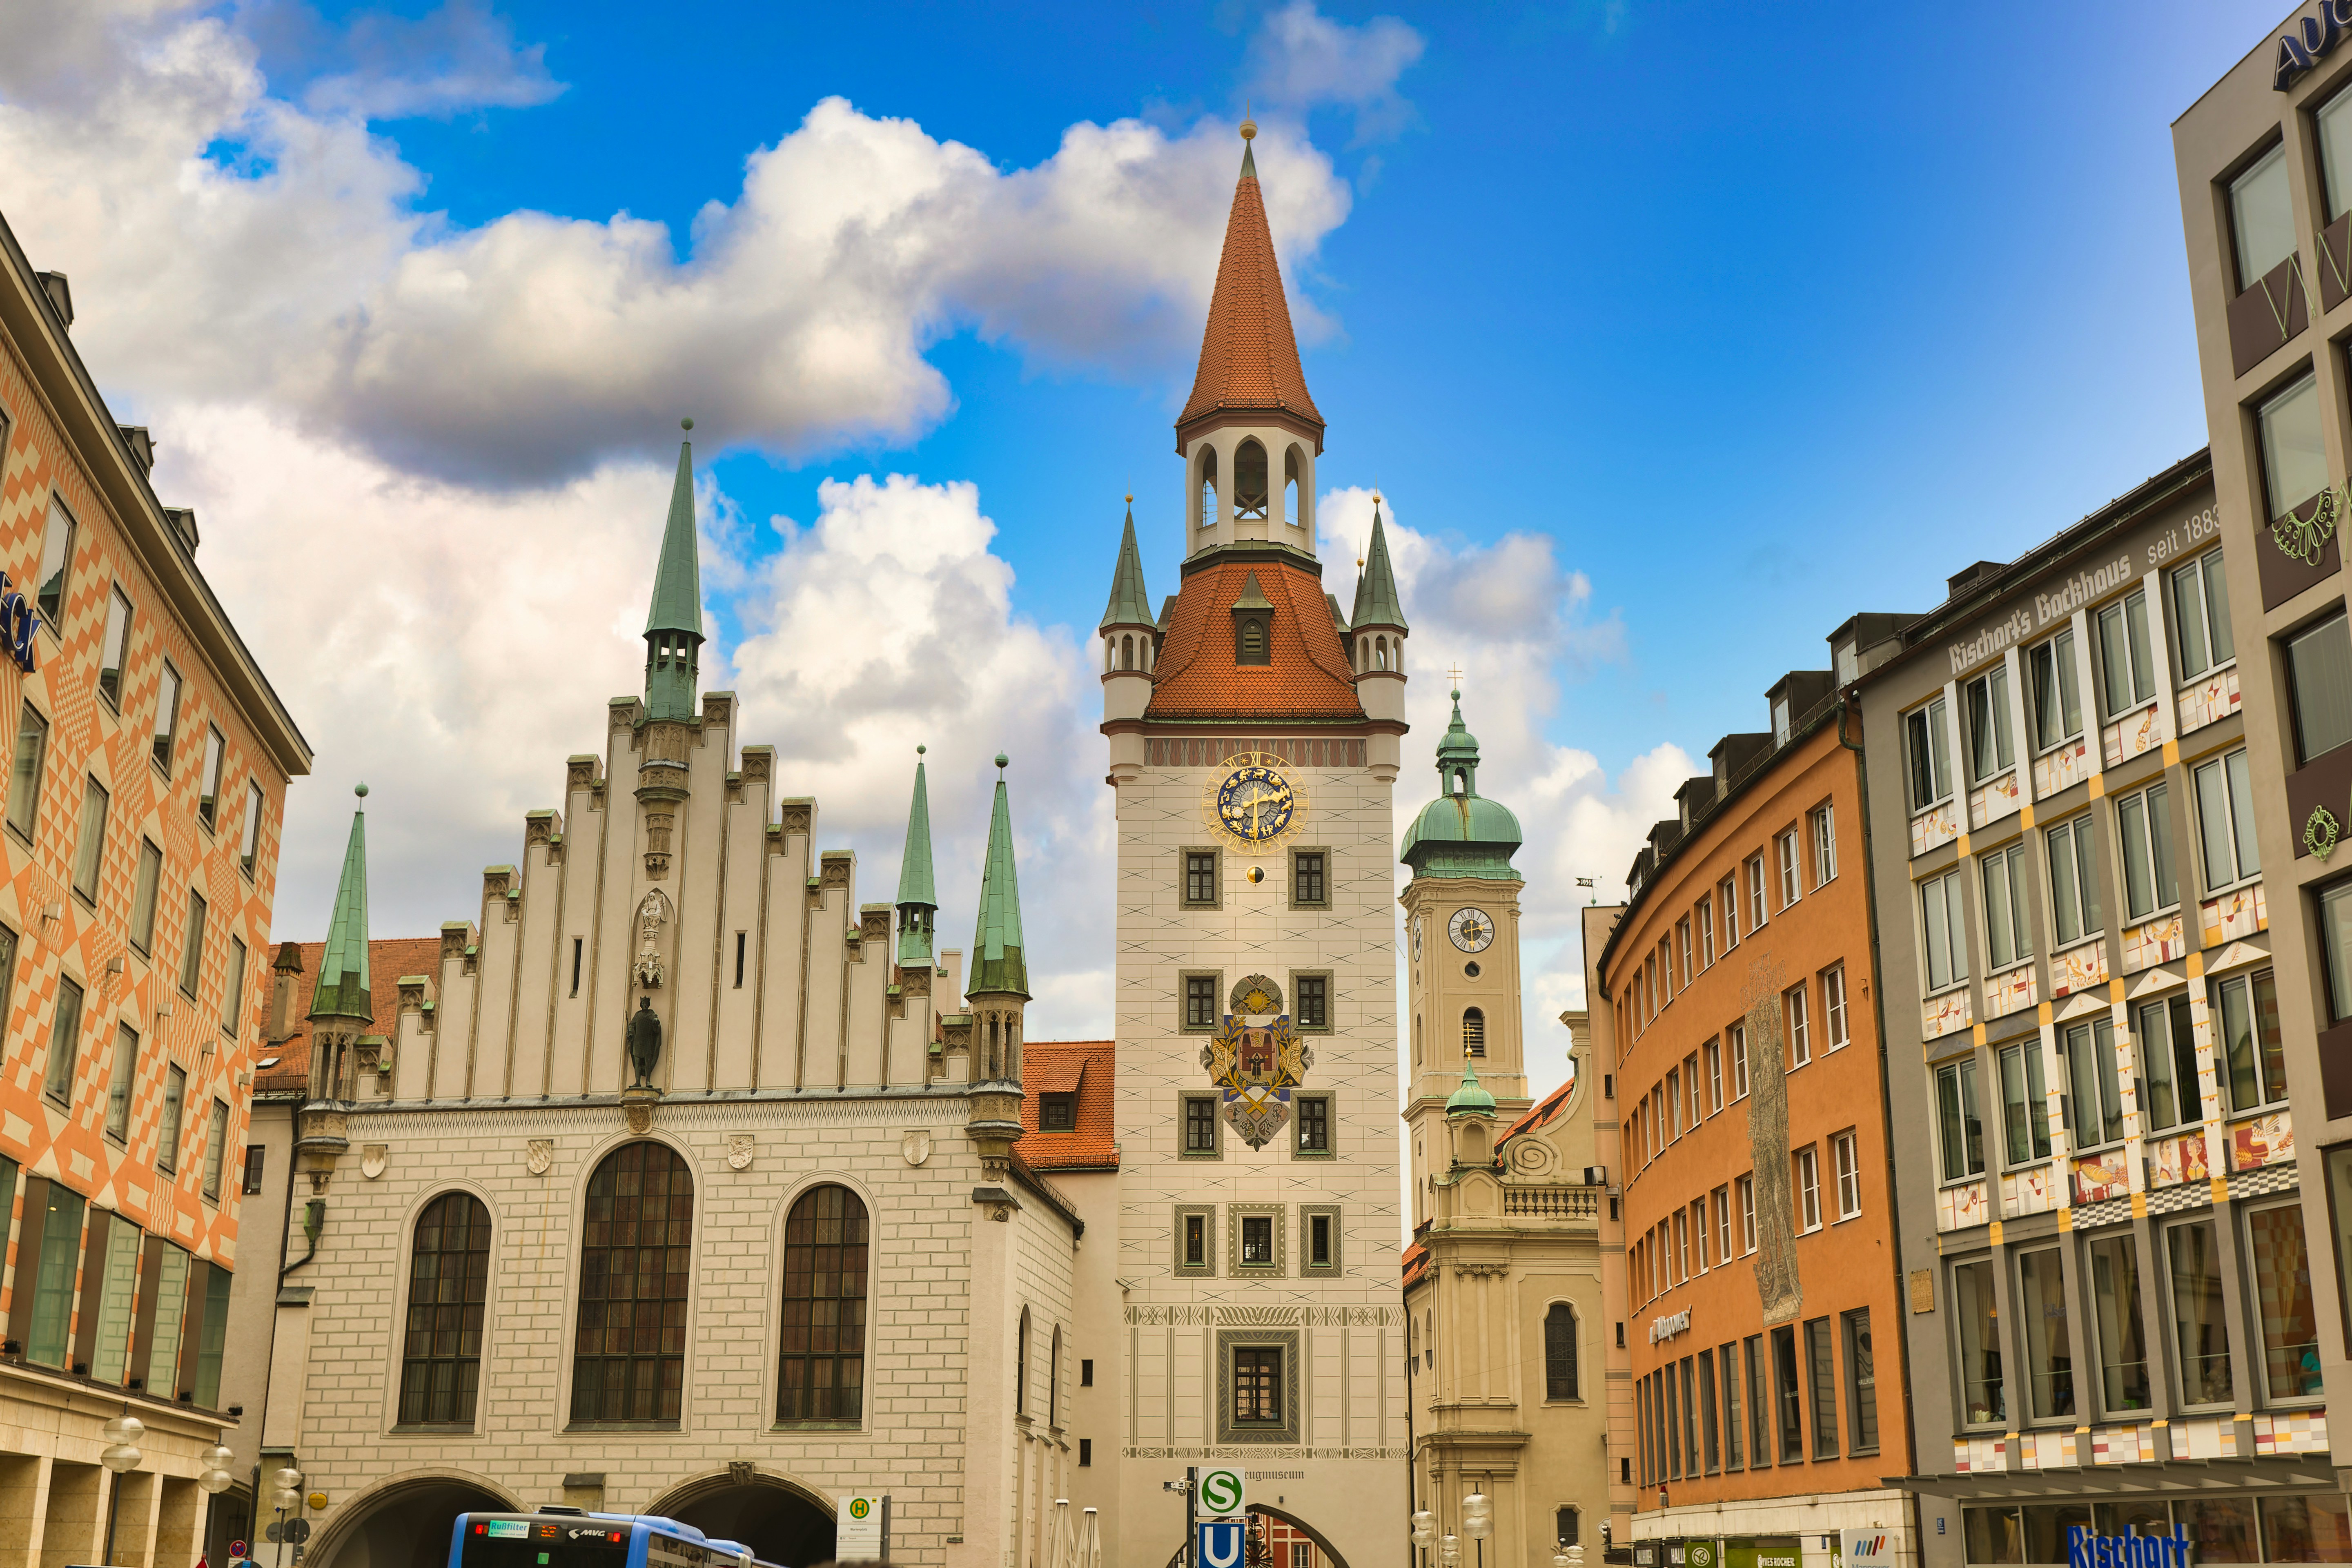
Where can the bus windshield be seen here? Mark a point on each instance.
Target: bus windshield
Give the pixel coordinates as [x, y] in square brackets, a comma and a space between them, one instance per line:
[543, 1544]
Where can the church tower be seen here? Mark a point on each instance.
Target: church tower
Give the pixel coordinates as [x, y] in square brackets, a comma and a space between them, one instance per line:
[1254, 748]
[1462, 968]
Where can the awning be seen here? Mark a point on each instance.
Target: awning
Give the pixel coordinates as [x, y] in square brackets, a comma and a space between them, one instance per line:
[2288, 1473]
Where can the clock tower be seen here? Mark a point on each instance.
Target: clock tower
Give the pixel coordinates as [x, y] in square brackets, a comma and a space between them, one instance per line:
[1462, 967]
[1254, 733]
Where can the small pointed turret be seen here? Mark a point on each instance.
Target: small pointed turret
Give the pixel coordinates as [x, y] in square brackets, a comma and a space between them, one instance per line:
[1376, 604]
[342, 1011]
[918, 898]
[674, 620]
[344, 988]
[1462, 833]
[997, 966]
[1130, 603]
[1471, 1099]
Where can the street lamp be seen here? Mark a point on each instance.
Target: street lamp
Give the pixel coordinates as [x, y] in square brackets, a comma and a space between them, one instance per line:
[1449, 1551]
[121, 1457]
[1425, 1533]
[1478, 1522]
[286, 1501]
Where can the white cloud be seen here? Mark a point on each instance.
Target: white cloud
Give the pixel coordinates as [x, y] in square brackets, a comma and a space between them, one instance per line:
[1301, 59]
[457, 57]
[1516, 622]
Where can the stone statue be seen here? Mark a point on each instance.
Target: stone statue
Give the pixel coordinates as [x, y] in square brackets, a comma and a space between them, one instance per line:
[652, 915]
[644, 1042]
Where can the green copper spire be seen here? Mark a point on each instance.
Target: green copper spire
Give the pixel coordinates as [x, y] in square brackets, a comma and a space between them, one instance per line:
[919, 900]
[1376, 593]
[997, 967]
[674, 621]
[343, 991]
[1130, 605]
[1471, 1099]
[1462, 833]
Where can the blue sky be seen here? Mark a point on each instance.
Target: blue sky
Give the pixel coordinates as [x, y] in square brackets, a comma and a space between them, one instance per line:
[1674, 333]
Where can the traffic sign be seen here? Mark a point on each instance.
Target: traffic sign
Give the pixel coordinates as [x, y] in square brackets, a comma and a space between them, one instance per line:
[1220, 1543]
[273, 1530]
[1225, 1493]
[861, 1527]
[298, 1531]
[237, 1549]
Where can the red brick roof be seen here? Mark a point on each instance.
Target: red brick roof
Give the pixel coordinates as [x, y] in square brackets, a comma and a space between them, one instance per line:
[1249, 356]
[1416, 1265]
[1063, 1066]
[389, 958]
[1306, 675]
[1539, 1114]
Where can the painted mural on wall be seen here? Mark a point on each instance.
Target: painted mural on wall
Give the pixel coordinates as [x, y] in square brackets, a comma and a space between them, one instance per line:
[1777, 1288]
[1257, 1057]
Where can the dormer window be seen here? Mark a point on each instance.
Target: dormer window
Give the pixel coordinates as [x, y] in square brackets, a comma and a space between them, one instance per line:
[1779, 721]
[1057, 1113]
[1250, 641]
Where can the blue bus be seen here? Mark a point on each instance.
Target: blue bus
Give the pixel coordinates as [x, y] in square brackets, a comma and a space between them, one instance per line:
[557, 1537]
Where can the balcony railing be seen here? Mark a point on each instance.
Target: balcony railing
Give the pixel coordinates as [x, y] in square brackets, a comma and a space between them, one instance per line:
[1551, 1203]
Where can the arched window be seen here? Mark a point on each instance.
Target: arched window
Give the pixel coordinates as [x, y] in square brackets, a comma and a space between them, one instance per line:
[1249, 641]
[821, 1365]
[1249, 480]
[1209, 487]
[1560, 1353]
[1126, 653]
[1461, 781]
[448, 1281]
[1110, 655]
[1053, 1382]
[1294, 478]
[1021, 1367]
[628, 1356]
[1379, 653]
[1473, 1032]
[1563, 1525]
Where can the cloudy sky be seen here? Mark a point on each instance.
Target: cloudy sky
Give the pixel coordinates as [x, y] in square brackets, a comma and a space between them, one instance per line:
[1673, 334]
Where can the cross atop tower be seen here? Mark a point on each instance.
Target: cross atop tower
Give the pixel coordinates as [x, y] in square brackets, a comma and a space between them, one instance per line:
[1455, 675]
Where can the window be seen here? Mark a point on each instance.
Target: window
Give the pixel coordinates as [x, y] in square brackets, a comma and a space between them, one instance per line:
[167, 1135]
[216, 1147]
[1559, 1352]
[1759, 1418]
[1683, 948]
[1809, 1189]
[1824, 825]
[90, 844]
[1723, 1225]
[1780, 721]
[1801, 1033]
[1257, 1385]
[1738, 1035]
[167, 715]
[1927, 742]
[2335, 129]
[233, 993]
[1249, 646]
[1786, 847]
[1056, 1113]
[1321, 1235]
[107, 1289]
[2073, 883]
[448, 1285]
[1706, 1410]
[143, 896]
[2253, 1055]
[1847, 1154]
[1313, 1001]
[2056, 689]
[56, 561]
[628, 1352]
[1199, 877]
[2261, 217]
[1820, 1373]
[1306, 877]
[2024, 1101]
[215, 762]
[1833, 1016]
[1756, 893]
[2225, 820]
[1861, 1383]
[53, 1281]
[163, 1351]
[2094, 1112]
[25, 772]
[1690, 1082]
[2049, 1343]
[2200, 1335]
[1960, 1130]
[1946, 937]
[1787, 1396]
[1682, 1260]
[120, 1080]
[1313, 1124]
[1473, 1032]
[2294, 454]
[821, 1374]
[191, 954]
[1747, 1186]
[65, 1041]
[1992, 750]
[2200, 614]
[2146, 833]
[1728, 1358]
[1982, 1400]
[1564, 1526]
[1675, 1103]
[1257, 1241]
[1713, 1055]
[1727, 896]
[2116, 1315]
[1021, 1365]
[114, 649]
[250, 848]
[1698, 1235]
[1705, 913]
[1199, 1001]
[2168, 1059]
[257, 1159]
[2283, 1305]
[1196, 1241]
[2127, 673]
[1085, 1374]
[1200, 1124]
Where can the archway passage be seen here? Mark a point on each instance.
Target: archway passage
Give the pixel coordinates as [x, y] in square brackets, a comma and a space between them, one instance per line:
[406, 1526]
[1280, 1540]
[776, 1522]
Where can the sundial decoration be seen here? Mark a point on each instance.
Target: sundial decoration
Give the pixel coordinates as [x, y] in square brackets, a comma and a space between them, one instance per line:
[1257, 1058]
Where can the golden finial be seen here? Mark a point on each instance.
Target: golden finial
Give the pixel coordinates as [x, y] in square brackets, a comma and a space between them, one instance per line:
[1249, 126]
[1130, 497]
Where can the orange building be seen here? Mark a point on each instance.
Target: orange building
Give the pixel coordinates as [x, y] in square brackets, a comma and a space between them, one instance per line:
[148, 765]
[1757, 1198]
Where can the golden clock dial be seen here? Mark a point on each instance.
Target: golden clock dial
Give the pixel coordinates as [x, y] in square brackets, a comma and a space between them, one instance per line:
[1255, 803]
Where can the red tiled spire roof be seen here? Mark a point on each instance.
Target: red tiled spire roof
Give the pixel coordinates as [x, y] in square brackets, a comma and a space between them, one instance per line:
[1306, 675]
[1249, 356]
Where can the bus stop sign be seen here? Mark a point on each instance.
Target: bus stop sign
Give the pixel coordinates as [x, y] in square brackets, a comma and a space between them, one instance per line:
[1220, 1543]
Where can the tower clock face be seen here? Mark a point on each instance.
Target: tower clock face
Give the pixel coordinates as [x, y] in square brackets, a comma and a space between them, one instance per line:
[1416, 939]
[1255, 804]
[1471, 930]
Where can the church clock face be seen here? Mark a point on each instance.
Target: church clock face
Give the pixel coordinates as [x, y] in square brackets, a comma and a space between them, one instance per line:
[1255, 804]
[1471, 930]
[1416, 939]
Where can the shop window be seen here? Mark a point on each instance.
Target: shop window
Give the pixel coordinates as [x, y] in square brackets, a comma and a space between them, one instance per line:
[1983, 1402]
[2116, 1314]
[1861, 1383]
[2201, 1333]
[2283, 1302]
[1787, 1396]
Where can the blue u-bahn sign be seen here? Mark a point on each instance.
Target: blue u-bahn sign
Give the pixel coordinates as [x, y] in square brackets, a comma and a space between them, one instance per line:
[1220, 1543]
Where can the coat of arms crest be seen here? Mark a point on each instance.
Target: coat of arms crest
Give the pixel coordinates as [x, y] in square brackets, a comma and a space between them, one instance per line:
[1257, 1058]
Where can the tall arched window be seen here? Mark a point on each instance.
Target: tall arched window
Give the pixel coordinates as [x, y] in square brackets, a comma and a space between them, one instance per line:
[1054, 1380]
[1126, 653]
[1020, 1368]
[1473, 1032]
[1209, 487]
[1560, 1353]
[1293, 488]
[1563, 1525]
[1249, 480]
[448, 1281]
[821, 1374]
[1379, 653]
[628, 1356]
